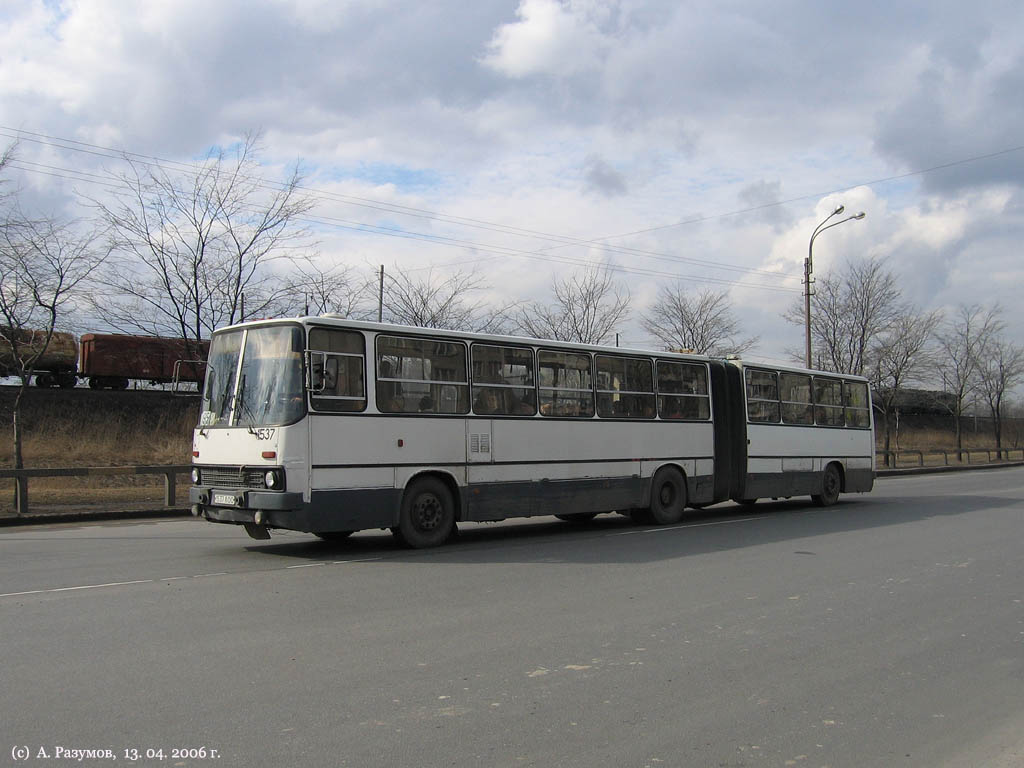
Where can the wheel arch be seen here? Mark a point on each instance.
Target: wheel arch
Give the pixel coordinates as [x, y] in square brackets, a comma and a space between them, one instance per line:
[841, 467]
[646, 500]
[447, 478]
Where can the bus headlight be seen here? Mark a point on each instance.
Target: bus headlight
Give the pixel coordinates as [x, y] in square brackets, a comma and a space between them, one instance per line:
[195, 476]
[272, 479]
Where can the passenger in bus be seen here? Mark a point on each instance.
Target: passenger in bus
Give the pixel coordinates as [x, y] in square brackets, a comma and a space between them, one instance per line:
[426, 404]
[523, 406]
[330, 378]
[673, 408]
[486, 402]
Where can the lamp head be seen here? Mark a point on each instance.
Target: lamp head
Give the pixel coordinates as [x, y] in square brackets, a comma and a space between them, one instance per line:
[839, 209]
[860, 215]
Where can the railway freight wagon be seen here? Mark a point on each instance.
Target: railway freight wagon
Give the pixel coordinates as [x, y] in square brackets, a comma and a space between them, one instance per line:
[109, 361]
[54, 368]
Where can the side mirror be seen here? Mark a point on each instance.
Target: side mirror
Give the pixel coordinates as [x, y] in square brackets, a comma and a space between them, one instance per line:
[194, 367]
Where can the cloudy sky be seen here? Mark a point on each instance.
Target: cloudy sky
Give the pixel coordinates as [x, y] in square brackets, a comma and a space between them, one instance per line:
[695, 141]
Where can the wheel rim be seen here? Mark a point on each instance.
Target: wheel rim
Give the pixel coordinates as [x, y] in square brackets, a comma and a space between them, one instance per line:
[667, 495]
[831, 483]
[427, 512]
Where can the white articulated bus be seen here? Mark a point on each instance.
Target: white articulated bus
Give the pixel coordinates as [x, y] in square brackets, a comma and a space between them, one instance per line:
[331, 426]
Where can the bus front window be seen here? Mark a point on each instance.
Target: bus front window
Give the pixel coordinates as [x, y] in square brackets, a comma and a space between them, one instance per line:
[268, 388]
[219, 390]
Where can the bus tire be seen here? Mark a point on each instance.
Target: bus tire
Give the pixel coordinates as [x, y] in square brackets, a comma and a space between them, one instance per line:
[427, 517]
[668, 497]
[831, 483]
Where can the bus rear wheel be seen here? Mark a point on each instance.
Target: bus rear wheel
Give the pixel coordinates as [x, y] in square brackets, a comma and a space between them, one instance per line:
[427, 517]
[668, 497]
[831, 482]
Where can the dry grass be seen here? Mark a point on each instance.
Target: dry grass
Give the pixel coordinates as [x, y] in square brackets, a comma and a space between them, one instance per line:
[94, 429]
[86, 429]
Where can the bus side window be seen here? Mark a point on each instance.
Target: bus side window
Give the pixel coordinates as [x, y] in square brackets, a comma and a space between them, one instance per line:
[683, 391]
[828, 402]
[419, 375]
[796, 399]
[858, 404]
[337, 364]
[762, 396]
[503, 380]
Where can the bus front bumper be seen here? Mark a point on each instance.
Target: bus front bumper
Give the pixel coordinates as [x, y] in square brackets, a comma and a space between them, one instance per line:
[240, 506]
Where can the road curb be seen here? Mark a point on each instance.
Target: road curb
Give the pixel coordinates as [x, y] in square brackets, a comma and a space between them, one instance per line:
[44, 518]
[937, 470]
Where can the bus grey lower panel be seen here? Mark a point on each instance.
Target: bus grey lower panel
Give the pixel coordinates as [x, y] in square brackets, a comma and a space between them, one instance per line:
[496, 501]
[859, 481]
[350, 510]
[784, 484]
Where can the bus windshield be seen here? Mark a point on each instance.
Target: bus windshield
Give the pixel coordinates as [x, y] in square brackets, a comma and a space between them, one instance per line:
[254, 378]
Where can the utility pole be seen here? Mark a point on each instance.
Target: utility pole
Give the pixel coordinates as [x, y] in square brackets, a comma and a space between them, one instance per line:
[809, 269]
[380, 297]
[807, 306]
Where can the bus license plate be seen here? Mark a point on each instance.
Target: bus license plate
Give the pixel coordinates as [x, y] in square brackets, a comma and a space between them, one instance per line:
[225, 499]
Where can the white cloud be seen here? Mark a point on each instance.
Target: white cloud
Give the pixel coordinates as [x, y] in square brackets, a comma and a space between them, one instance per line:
[550, 38]
[680, 116]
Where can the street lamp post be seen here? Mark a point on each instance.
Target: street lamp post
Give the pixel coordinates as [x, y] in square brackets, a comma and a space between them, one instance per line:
[809, 268]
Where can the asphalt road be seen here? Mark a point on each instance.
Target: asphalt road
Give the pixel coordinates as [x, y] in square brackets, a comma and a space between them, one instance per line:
[887, 630]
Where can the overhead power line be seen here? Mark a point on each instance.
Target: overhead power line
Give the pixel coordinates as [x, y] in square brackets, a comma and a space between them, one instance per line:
[388, 207]
[497, 251]
[543, 254]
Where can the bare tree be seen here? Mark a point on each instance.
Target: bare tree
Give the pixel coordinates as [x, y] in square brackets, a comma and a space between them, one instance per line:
[899, 357]
[311, 289]
[701, 322]
[424, 299]
[960, 344]
[192, 249]
[588, 306]
[42, 263]
[1000, 369]
[851, 309]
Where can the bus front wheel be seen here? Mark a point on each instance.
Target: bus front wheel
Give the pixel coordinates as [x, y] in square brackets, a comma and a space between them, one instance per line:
[427, 517]
[831, 482]
[668, 497]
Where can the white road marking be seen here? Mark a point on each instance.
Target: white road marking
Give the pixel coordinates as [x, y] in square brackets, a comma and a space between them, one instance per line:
[171, 578]
[690, 525]
[83, 586]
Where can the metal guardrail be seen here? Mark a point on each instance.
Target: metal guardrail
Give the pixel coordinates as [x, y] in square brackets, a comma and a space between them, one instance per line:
[1005, 454]
[21, 477]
